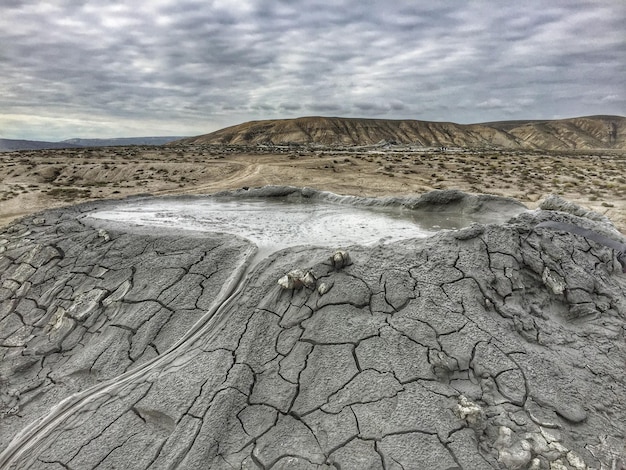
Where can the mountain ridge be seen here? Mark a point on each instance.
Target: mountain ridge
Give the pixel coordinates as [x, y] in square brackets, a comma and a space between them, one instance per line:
[115, 141]
[578, 133]
[594, 132]
[9, 145]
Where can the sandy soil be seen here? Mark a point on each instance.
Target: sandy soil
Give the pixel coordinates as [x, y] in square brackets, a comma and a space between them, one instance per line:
[31, 181]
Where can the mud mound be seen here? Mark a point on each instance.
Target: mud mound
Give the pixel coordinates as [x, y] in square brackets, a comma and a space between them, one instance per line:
[493, 346]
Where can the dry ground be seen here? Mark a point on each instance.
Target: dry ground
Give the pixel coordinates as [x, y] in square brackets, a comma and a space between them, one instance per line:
[31, 181]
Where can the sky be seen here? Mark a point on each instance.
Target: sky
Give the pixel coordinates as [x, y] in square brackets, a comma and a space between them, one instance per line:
[94, 68]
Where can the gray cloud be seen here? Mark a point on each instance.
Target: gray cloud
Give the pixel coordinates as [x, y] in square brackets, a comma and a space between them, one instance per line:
[96, 69]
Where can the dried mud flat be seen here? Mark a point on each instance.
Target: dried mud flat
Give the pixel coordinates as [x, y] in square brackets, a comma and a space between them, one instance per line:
[492, 346]
[35, 180]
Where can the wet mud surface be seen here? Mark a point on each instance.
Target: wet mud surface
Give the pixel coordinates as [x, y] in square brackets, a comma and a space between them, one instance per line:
[280, 217]
[497, 345]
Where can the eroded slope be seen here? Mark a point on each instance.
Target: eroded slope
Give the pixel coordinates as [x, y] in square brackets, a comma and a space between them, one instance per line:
[590, 132]
[352, 131]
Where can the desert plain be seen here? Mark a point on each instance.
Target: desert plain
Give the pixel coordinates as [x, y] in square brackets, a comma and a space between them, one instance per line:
[32, 181]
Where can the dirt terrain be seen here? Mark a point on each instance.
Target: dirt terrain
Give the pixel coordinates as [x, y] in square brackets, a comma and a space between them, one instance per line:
[31, 181]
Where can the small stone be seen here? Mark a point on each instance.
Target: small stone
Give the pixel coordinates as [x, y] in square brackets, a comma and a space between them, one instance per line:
[308, 280]
[517, 456]
[297, 279]
[551, 280]
[322, 288]
[469, 411]
[340, 259]
[104, 235]
[505, 438]
[575, 461]
[557, 465]
[538, 442]
[287, 282]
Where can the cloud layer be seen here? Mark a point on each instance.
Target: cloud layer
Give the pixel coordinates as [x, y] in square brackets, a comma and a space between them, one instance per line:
[184, 67]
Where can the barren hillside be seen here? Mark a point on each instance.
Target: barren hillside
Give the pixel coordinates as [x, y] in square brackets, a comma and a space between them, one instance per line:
[349, 131]
[590, 132]
[594, 132]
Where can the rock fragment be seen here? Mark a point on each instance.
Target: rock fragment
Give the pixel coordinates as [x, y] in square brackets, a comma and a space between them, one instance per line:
[553, 281]
[322, 288]
[513, 453]
[470, 412]
[340, 259]
[297, 279]
[104, 235]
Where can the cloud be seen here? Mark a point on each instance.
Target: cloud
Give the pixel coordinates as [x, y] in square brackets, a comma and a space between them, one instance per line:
[290, 106]
[614, 98]
[491, 103]
[195, 66]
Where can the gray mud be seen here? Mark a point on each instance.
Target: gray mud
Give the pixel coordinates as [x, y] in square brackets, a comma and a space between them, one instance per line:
[274, 218]
[497, 345]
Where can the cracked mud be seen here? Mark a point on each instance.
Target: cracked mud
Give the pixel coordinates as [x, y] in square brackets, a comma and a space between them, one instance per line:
[492, 346]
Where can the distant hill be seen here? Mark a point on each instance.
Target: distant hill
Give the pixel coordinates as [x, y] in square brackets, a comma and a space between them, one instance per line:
[121, 141]
[592, 132]
[357, 131]
[8, 145]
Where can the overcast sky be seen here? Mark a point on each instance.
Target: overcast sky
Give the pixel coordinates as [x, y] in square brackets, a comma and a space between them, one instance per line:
[95, 68]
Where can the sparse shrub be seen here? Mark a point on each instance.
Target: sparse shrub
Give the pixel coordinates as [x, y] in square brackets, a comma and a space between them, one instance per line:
[69, 194]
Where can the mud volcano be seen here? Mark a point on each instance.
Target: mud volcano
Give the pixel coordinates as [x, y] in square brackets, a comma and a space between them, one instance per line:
[153, 333]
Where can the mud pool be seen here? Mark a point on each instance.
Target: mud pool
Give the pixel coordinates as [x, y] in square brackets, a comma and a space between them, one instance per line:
[280, 223]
